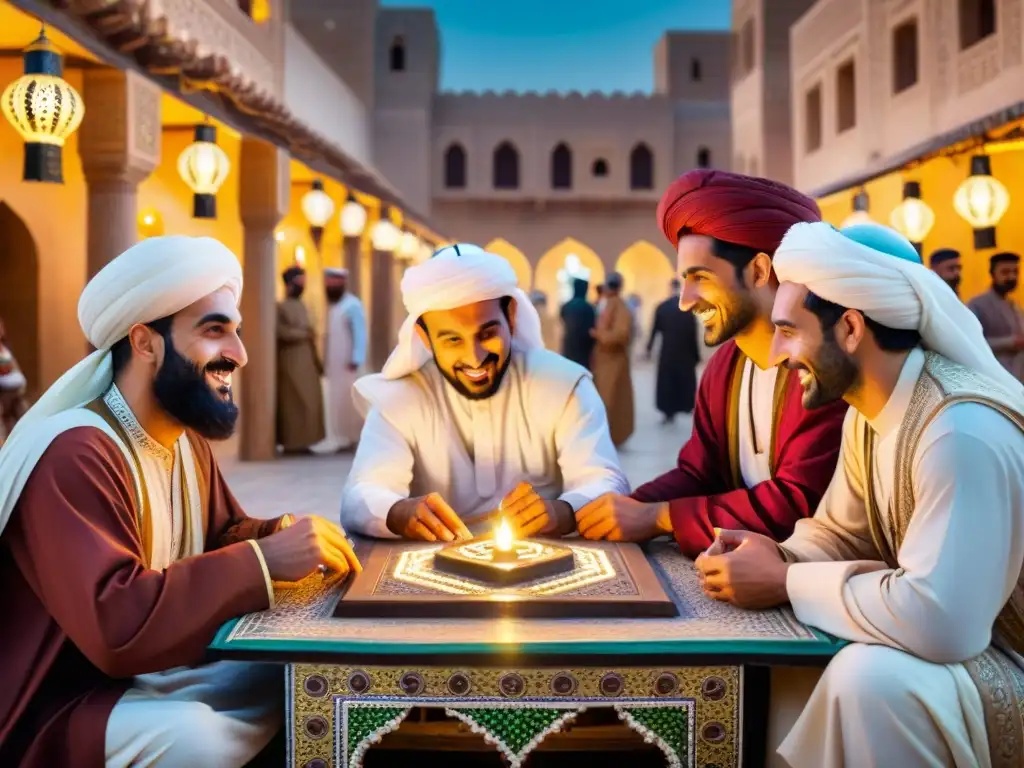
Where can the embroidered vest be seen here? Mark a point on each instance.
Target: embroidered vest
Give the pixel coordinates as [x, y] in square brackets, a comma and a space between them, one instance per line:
[999, 681]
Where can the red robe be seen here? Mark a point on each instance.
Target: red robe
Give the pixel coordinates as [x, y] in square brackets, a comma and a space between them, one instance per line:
[706, 491]
[81, 613]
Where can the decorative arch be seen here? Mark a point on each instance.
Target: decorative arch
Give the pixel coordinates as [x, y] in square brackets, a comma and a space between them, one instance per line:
[396, 54]
[455, 166]
[703, 157]
[561, 167]
[641, 167]
[545, 274]
[515, 257]
[506, 166]
[646, 271]
[19, 294]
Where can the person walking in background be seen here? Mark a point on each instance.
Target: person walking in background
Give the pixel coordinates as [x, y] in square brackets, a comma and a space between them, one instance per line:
[345, 355]
[300, 404]
[945, 262]
[1001, 318]
[578, 320]
[610, 365]
[13, 385]
[634, 302]
[678, 356]
[547, 325]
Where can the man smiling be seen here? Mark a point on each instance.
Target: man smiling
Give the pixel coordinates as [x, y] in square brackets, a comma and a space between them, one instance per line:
[472, 414]
[756, 460]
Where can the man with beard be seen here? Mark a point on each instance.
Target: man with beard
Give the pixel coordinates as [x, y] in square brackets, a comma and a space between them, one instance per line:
[945, 262]
[1001, 318]
[122, 549]
[472, 416]
[345, 353]
[915, 555]
[756, 459]
[300, 399]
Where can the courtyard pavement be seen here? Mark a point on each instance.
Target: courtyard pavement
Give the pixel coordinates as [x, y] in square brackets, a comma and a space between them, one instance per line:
[312, 485]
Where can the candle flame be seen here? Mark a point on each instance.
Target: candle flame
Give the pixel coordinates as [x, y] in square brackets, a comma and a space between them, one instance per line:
[503, 536]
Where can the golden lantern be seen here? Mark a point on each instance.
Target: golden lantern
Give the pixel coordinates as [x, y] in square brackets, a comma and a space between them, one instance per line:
[860, 215]
[353, 217]
[385, 234]
[982, 200]
[408, 245]
[204, 166]
[318, 208]
[913, 218]
[44, 109]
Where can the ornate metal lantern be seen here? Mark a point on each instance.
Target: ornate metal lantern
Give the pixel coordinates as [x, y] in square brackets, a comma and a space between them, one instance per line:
[353, 217]
[913, 217]
[318, 208]
[204, 166]
[982, 200]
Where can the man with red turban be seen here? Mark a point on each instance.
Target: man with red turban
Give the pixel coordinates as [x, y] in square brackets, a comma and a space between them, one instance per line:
[756, 460]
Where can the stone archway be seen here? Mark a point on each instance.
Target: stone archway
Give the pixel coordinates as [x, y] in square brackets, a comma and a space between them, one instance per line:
[546, 273]
[515, 257]
[645, 271]
[19, 294]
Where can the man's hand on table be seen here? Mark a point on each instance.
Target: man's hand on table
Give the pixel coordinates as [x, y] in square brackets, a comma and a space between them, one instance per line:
[300, 547]
[745, 569]
[530, 515]
[620, 518]
[426, 518]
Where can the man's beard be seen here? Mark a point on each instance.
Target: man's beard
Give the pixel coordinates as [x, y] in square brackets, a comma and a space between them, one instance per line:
[334, 295]
[184, 393]
[954, 283]
[1004, 288]
[833, 372]
[492, 359]
[729, 318]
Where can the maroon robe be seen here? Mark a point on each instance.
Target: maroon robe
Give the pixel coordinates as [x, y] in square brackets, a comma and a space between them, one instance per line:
[81, 613]
[706, 490]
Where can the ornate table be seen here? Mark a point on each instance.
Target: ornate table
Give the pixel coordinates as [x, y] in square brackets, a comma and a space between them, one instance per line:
[694, 685]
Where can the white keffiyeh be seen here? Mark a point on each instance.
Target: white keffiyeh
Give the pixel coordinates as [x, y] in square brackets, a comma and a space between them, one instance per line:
[151, 280]
[454, 277]
[890, 289]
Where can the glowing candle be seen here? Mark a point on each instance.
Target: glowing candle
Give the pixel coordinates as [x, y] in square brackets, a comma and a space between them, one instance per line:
[503, 550]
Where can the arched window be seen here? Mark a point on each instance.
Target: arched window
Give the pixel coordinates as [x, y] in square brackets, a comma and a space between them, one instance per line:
[455, 167]
[561, 167]
[506, 166]
[641, 167]
[396, 56]
[600, 167]
[703, 157]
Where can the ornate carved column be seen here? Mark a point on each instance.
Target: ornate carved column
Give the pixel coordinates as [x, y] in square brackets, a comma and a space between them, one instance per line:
[352, 251]
[381, 337]
[263, 200]
[119, 144]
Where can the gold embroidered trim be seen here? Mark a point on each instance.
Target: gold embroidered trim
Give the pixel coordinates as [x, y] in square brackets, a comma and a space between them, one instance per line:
[1001, 685]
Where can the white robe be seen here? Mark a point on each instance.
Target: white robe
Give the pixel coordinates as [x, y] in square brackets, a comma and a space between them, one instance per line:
[546, 425]
[899, 695]
[219, 714]
[345, 345]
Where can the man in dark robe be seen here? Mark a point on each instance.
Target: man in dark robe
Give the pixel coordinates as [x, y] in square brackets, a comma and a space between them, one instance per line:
[945, 262]
[756, 460]
[122, 549]
[578, 319]
[300, 399]
[677, 358]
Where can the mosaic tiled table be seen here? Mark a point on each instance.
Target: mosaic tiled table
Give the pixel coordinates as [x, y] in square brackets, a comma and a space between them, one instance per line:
[682, 683]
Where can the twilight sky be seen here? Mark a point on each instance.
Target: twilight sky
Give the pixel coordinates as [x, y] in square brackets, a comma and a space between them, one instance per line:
[563, 45]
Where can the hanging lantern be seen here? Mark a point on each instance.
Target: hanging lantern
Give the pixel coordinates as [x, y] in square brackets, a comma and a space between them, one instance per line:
[204, 166]
[44, 109]
[385, 235]
[353, 217]
[408, 245]
[318, 208]
[860, 215]
[913, 218]
[982, 200]
[299, 257]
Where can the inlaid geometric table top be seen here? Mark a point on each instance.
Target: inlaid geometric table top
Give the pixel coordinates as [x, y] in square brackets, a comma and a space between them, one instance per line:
[303, 621]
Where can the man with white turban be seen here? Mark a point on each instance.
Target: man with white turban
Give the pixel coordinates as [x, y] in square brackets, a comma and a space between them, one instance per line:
[122, 549]
[915, 553]
[471, 415]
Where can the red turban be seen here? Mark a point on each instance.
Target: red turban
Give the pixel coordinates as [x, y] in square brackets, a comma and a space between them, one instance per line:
[743, 210]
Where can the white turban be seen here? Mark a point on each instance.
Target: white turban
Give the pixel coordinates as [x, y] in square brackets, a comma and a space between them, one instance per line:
[153, 279]
[888, 288]
[453, 277]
